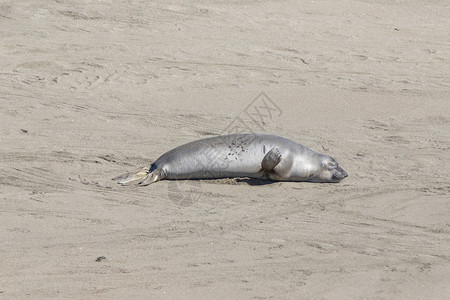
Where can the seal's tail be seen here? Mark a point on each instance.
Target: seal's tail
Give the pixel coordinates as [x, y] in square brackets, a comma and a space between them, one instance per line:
[141, 176]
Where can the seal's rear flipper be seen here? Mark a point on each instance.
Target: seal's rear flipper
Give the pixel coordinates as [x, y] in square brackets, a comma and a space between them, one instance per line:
[271, 160]
[151, 177]
[133, 177]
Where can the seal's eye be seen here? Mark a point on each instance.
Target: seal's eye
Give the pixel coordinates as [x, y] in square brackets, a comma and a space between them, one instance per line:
[332, 164]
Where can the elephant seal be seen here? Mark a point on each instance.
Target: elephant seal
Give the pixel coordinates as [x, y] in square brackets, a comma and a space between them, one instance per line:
[260, 156]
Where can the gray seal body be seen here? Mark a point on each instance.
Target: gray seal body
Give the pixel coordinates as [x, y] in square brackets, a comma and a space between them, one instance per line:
[260, 156]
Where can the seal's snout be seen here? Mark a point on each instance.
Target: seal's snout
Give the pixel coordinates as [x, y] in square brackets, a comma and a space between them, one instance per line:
[339, 174]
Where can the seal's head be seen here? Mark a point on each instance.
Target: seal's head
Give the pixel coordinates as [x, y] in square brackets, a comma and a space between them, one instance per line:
[329, 170]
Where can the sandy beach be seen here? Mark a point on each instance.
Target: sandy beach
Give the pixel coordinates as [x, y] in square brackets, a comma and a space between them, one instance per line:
[92, 89]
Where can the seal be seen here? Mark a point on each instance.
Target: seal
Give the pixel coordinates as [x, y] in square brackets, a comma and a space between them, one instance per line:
[259, 156]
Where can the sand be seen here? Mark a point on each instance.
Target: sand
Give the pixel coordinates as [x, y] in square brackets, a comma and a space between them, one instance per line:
[92, 89]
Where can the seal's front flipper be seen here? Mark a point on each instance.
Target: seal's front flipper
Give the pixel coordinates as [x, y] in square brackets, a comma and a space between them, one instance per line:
[132, 177]
[271, 160]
